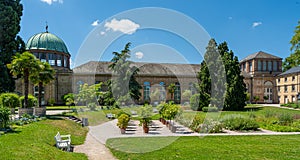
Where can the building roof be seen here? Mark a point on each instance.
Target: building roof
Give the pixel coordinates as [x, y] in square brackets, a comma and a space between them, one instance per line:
[260, 55]
[291, 71]
[46, 41]
[146, 69]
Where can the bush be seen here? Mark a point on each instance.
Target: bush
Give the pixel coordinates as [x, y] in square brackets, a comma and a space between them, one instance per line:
[4, 117]
[285, 119]
[210, 109]
[197, 121]
[123, 121]
[211, 126]
[195, 102]
[32, 101]
[240, 123]
[10, 100]
[92, 106]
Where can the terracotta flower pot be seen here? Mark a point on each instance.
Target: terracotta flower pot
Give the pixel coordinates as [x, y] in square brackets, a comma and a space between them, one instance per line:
[123, 130]
[146, 129]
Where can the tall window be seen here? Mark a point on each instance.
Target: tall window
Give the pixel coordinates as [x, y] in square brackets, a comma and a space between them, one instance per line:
[264, 65]
[147, 91]
[259, 65]
[269, 65]
[250, 66]
[59, 58]
[177, 93]
[192, 88]
[162, 91]
[65, 61]
[293, 88]
[51, 59]
[275, 68]
[285, 89]
[36, 93]
[43, 57]
[244, 66]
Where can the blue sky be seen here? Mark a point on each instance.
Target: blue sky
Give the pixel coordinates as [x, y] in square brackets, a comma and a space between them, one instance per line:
[247, 26]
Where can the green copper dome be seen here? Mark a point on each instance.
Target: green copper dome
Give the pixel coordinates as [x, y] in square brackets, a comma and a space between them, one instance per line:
[46, 41]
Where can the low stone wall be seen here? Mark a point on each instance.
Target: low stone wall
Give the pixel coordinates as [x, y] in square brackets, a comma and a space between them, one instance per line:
[40, 111]
[25, 110]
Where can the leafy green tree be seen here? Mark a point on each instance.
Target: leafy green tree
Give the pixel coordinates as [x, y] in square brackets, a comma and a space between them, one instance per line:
[187, 94]
[171, 90]
[294, 59]
[4, 117]
[87, 94]
[43, 76]
[24, 65]
[211, 76]
[10, 43]
[125, 75]
[234, 80]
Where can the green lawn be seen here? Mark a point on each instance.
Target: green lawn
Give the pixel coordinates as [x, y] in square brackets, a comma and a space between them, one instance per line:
[210, 147]
[36, 141]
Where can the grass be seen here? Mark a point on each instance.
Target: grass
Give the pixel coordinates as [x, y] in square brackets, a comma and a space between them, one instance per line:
[36, 141]
[213, 147]
[59, 107]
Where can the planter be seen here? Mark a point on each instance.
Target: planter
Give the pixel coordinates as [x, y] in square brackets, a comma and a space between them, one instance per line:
[12, 110]
[39, 111]
[25, 111]
[146, 129]
[163, 121]
[123, 130]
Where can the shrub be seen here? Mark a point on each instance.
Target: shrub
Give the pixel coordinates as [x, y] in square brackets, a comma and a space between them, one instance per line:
[240, 123]
[285, 119]
[4, 117]
[92, 106]
[211, 126]
[32, 101]
[195, 102]
[270, 113]
[123, 121]
[197, 121]
[10, 100]
[210, 109]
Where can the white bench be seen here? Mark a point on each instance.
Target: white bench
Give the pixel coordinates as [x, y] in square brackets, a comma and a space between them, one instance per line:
[110, 116]
[63, 141]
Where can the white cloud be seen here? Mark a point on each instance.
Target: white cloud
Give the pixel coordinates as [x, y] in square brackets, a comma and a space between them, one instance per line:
[230, 18]
[124, 25]
[52, 1]
[139, 55]
[255, 24]
[102, 33]
[95, 23]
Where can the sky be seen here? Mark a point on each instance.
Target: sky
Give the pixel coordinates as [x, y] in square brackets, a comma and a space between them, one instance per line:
[164, 31]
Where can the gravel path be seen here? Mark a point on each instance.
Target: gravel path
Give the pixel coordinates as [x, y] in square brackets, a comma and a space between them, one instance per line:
[94, 149]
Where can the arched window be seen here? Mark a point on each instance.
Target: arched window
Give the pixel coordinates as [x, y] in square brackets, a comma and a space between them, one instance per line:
[162, 91]
[177, 93]
[146, 90]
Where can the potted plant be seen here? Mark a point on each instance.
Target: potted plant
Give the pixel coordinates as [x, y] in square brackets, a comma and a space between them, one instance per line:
[145, 117]
[123, 121]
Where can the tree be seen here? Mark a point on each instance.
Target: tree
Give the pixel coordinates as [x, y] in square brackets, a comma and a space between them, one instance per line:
[124, 83]
[10, 43]
[24, 65]
[187, 94]
[234, 80]
[154, 96]
[211, 76]
[43, 76]
[294, 59]
[171, 90]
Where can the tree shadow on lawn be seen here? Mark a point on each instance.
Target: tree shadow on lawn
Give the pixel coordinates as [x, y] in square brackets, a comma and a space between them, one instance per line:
[55, 117]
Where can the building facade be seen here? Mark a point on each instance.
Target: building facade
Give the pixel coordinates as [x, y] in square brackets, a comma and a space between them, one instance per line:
[288, 86]
[262, 75]
[260, 71]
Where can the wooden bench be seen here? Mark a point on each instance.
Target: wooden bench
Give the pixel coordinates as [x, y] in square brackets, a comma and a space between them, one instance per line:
[63, 141]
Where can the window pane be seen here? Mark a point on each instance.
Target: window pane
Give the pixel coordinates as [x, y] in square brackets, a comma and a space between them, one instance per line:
[264, 65]
[259, 65]
[270, 66]
[275, 68]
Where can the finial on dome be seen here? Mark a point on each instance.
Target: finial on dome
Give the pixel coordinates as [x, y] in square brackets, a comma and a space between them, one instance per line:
[46, 26]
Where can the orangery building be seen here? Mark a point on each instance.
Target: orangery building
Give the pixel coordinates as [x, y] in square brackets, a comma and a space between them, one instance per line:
[262, 73]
